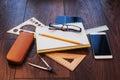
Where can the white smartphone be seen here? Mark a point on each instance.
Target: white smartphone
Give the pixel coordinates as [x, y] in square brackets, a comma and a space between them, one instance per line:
[100, 46]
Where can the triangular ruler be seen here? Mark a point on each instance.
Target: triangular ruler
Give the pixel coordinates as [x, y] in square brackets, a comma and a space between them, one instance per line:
[30, 22]
[61, 59]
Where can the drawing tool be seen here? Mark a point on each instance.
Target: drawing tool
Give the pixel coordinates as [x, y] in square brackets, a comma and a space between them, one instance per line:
[61, 58]
[59, 38]
[32, 21]
[34, 65]
[53, 37]
[97, 29]
[47, 68]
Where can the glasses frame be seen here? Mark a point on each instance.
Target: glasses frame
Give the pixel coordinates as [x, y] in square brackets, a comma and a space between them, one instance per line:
[63, 28]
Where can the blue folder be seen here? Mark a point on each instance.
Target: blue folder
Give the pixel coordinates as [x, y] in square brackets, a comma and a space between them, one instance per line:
[67, 19]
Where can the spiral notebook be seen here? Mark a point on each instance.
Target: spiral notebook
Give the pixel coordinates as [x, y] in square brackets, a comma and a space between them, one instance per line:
[49, 44]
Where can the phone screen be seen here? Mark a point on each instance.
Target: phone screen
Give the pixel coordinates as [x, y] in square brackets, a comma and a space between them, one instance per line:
[100, 45]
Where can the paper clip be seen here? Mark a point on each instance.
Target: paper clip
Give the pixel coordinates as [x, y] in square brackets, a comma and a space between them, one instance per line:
[65, 27]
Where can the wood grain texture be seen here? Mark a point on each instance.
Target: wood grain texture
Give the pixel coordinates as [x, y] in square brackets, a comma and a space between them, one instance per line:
[7, 72]
[41, 8]
[90, 11]
[45, 79]
[94, 13]
[11, 14]
[111, 10]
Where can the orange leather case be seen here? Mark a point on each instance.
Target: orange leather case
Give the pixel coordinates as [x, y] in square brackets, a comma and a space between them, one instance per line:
[20, 47]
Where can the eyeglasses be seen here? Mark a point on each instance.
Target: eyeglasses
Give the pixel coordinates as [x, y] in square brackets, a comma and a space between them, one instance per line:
[65, 27]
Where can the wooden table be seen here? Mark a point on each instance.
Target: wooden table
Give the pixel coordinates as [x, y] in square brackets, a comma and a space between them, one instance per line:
[94, 13]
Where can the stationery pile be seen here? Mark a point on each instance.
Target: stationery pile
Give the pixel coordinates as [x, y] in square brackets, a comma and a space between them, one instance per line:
[56, 40]
[56, 37]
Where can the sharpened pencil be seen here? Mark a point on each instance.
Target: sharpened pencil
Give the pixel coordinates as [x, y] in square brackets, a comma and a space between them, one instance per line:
[59, 38]
[55, 37]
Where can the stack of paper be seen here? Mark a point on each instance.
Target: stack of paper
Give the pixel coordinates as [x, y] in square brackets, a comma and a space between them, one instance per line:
[48, 43]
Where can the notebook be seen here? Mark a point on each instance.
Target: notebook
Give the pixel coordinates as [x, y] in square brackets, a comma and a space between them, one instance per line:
[48, 44]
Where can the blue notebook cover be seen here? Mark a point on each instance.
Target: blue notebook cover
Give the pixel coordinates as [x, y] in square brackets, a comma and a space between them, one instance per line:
[67, 19]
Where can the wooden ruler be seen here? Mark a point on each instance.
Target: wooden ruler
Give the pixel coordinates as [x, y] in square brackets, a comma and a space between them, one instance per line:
[61, 58]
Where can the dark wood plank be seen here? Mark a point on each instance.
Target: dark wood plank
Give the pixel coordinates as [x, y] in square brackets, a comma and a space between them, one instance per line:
[7, 72]
[45, 11]
[11, 14]
[44, 79]
[90, 11]
[111, 9]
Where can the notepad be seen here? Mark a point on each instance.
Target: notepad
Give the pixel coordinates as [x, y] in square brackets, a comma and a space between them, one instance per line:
[48, 44]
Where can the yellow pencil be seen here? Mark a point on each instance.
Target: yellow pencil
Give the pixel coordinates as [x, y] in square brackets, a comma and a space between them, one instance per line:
[55, 37]
[59, 38]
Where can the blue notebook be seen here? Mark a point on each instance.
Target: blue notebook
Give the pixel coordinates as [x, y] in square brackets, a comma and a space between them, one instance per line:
[67, 19]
